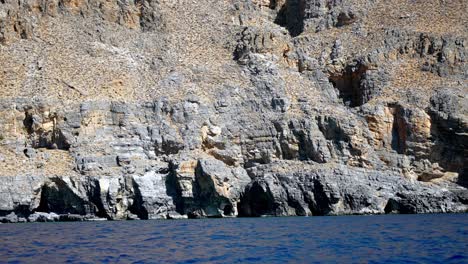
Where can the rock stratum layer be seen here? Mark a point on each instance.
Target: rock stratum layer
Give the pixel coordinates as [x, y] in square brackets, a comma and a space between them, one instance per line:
[148, 109]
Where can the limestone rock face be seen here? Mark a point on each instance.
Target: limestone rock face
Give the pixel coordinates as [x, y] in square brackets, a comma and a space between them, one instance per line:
[118, 109]
[291, 188]
[220, 187]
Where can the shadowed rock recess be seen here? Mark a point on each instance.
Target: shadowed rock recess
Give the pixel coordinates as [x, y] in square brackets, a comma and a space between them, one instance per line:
[148, 109]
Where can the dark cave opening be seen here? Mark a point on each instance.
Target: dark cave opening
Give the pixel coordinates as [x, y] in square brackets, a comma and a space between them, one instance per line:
[228, 210]
[399, 132]
[28, 123]
[291, 16]
[256, 201]
[397, 143]
[261, 202]
[58, 198]
[348, 84]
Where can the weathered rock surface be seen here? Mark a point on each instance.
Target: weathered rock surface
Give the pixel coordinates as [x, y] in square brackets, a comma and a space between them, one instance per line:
[302, 189]
[175, 109]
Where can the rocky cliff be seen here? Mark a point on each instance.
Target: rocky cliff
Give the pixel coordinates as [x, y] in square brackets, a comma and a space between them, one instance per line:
[146, 109]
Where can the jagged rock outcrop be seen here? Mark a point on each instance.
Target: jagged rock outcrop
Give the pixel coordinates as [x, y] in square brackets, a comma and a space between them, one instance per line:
[161, 109]
[291, 188]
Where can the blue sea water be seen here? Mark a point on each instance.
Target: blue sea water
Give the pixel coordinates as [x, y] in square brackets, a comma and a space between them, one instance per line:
[345, 239]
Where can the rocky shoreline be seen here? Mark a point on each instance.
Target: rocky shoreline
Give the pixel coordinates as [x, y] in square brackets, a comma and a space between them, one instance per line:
[277, 189]
[48, 217]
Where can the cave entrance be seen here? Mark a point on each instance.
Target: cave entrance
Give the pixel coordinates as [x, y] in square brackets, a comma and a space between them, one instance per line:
[261, 201]
[399, 132]
[290, 15]
[228, 210]
[348, 84]
[59, 199]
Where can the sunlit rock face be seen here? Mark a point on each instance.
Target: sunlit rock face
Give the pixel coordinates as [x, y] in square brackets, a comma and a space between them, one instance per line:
[174, 109]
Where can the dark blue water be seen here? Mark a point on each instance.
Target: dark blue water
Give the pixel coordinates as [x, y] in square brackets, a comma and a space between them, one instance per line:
[347, 239]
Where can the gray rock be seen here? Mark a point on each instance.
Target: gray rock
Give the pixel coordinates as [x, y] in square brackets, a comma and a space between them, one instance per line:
[10, 218]
[286, 189]
[71, 218]
[158, 110]
[43, 217]
[219, 187]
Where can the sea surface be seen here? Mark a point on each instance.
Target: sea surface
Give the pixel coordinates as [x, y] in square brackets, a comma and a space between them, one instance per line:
[344, 239]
